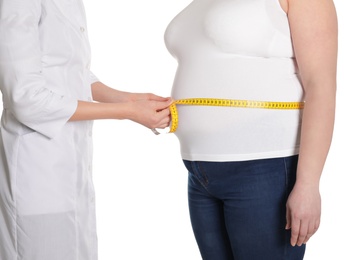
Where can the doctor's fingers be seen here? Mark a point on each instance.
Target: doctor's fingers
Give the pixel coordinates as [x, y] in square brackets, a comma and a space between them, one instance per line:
[154, 97]
[163, 118]
[162, 105]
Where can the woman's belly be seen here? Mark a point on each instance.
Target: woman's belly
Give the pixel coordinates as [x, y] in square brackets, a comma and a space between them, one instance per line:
[232, 134]
[235, 134]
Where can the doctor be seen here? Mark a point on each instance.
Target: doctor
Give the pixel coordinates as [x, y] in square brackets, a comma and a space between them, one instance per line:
[47, 209]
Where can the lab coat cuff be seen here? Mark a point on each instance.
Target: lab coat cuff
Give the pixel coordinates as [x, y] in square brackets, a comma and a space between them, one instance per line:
[93, 78]
[53, 125]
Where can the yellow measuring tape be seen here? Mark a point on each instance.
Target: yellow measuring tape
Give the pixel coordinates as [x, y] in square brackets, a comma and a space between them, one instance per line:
[228, 103]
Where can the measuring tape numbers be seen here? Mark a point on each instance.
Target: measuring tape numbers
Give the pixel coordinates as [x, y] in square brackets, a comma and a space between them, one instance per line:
[226, 103]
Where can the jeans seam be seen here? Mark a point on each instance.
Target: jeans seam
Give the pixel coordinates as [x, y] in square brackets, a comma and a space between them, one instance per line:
[286, 198]
[286, 175]
[203, 173]
[201, 176]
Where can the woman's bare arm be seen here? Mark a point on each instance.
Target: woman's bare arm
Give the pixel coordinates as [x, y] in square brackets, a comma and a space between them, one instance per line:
[314, 32]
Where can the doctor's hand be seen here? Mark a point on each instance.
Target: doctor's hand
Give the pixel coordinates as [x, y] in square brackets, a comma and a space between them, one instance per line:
[303, 212]
[150, 112]
[145, 96]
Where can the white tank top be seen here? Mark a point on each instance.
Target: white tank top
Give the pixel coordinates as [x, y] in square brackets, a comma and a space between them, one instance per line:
[235, 49]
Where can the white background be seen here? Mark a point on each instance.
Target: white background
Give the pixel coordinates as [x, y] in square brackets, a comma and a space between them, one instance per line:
[139, 178]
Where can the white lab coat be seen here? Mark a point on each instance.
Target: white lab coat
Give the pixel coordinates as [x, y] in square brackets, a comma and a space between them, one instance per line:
[46, 193]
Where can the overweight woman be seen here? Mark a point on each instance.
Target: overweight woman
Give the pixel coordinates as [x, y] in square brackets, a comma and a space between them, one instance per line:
[254, 172]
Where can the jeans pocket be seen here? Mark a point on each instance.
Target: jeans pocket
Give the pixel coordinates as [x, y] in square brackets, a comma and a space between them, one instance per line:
[197, 170]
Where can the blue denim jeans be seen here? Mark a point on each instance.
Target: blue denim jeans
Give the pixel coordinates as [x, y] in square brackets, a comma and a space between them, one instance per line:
[238, 209]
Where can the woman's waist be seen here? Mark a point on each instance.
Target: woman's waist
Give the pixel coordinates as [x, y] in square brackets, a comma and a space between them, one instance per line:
[220, 132]
[222, 120]
[278, 91]
[233, 82]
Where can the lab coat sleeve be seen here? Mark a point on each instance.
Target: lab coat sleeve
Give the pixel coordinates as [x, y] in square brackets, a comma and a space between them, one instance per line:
[24, 89]
[93, 78]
